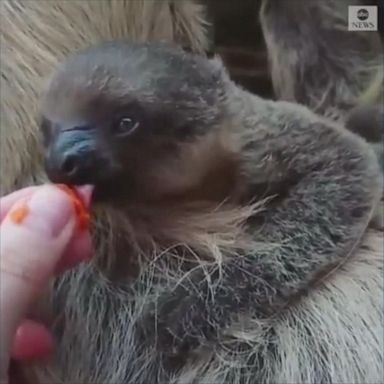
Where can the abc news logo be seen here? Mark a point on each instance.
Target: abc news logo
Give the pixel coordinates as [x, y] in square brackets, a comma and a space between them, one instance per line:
[362, 18]
[362, 14]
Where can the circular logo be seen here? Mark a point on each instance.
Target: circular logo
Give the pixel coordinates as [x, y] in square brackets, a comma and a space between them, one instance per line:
[362, 14]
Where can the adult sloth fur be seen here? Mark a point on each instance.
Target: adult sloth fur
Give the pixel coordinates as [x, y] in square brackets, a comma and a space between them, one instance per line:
[336, 332]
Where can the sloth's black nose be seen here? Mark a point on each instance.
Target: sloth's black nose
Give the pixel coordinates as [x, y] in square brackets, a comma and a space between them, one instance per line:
[69, 168]
[70, 159]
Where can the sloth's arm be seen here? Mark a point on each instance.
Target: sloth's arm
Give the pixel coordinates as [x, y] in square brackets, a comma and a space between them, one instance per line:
[328, 182]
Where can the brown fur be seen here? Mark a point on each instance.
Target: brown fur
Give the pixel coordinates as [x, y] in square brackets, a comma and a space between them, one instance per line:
[344, 315]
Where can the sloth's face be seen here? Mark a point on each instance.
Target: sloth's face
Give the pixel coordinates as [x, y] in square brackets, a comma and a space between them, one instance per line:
[133, 120]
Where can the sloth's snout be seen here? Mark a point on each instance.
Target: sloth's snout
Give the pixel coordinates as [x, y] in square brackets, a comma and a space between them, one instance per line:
[71, 158]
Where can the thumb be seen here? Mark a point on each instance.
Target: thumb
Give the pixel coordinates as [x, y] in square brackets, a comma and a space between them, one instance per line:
[33, 236]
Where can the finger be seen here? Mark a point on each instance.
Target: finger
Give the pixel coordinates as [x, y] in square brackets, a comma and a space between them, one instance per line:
[8, 201]
[32, 239]
[79, 250]
[34, 235]
[80, 247]
[32, 340]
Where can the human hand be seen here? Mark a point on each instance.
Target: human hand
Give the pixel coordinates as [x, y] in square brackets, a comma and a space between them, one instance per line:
[39, 236]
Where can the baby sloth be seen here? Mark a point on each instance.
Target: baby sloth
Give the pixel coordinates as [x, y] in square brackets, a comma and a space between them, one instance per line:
[151, 124]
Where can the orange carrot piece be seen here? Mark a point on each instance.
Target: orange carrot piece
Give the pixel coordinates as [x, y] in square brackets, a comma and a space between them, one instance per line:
[81, 211]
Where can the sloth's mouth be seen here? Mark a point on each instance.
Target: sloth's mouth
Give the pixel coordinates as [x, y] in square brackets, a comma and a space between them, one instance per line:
[106, 189]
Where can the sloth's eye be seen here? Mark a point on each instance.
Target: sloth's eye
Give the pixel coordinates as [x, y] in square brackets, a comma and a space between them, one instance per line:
[126, 126]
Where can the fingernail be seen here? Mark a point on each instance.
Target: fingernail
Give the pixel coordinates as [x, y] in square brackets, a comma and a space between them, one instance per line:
[47, 212]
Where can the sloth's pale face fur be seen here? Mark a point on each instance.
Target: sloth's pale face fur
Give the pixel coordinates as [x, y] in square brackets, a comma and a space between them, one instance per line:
[139, 124]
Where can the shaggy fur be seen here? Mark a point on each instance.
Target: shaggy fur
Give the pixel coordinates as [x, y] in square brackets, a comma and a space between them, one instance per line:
[320, 63]
[334, 335]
